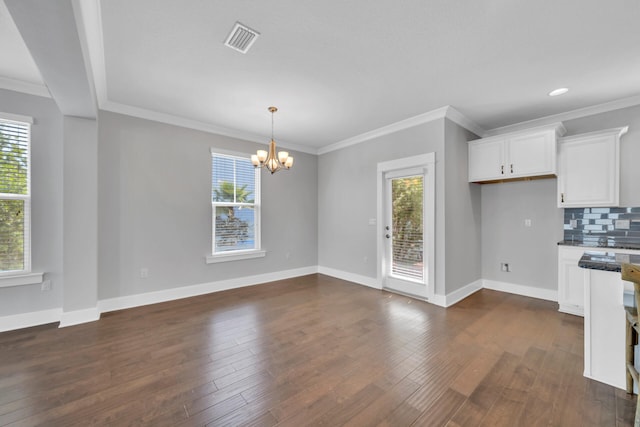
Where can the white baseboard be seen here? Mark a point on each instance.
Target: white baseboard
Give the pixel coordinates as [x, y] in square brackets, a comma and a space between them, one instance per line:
[439, 300]
[571, 309]
[27, 320]
[527, 291]
[350, 277]
[460, 294]
[129, 301]
[76, 317]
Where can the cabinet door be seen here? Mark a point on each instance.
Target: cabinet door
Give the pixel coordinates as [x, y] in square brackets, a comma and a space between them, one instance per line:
[571, 281]
[531, 155]
[588, 174]
[486, 160]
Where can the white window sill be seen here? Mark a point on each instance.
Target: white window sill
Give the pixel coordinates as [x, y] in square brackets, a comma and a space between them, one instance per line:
[235, 256]
[19, 279]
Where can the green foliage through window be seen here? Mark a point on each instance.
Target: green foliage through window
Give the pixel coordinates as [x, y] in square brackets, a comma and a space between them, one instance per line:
[407, 226]
[14, 194]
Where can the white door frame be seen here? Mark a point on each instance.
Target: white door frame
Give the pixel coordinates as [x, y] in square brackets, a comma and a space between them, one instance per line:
[427, 163]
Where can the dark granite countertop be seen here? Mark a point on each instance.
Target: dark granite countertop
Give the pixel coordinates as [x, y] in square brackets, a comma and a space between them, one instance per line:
[605, 244]
[606, 261]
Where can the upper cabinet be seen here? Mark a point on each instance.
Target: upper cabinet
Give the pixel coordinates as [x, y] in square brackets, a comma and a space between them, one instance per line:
[589, 169]
[519, 155]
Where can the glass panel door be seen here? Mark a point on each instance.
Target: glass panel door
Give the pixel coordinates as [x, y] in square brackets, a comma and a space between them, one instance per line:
[404, 232]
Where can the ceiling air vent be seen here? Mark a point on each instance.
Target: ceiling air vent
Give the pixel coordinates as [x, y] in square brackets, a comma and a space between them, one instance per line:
[241, 38]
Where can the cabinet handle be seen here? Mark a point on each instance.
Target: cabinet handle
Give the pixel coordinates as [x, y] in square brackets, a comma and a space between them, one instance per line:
[511, 167]
[502, 169]
[561, 197]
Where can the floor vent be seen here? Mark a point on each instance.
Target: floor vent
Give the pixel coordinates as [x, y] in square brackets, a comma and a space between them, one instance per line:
[241, 38]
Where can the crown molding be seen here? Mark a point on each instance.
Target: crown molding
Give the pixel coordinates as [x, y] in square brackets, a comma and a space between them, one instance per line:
[440, 113]
[462, 120]
[386, 130]
[156, 116]
[24, 87]
[569, 115]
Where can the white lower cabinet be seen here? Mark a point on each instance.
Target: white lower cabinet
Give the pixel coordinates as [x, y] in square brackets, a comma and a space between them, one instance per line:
[571, 279]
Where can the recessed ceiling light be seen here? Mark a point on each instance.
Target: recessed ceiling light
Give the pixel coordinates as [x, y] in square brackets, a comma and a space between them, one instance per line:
[559, 91]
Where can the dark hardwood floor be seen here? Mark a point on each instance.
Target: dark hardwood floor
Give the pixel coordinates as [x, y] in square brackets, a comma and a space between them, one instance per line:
[309, 351]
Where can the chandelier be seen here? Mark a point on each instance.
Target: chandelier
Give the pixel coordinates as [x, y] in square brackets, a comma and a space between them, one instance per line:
[269, 160]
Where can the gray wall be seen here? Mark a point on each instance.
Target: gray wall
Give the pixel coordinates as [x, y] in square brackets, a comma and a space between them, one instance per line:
[46, 207]
[155, 209]
[347, 185]
[80, 240]
[463, 212]
[532, 252]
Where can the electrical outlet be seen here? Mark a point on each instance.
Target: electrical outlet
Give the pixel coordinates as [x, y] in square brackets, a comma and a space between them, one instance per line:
[527, 222]
[287, 255]
[372, 221]
[504, 267]
[144, 273]
[46, 285]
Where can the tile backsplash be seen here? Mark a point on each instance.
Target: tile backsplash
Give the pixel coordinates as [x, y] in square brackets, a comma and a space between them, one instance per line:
[602, 226]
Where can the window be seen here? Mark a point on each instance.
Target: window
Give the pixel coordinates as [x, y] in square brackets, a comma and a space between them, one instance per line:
[15, 197]
[235, 203]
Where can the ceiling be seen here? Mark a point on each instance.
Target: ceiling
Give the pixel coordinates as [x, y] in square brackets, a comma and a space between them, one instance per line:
[338, 69]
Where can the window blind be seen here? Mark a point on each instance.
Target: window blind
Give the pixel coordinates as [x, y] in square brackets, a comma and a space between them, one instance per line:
[15, 255]
[235, 204]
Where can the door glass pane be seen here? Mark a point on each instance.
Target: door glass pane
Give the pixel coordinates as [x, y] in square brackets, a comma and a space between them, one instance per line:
[407, 230]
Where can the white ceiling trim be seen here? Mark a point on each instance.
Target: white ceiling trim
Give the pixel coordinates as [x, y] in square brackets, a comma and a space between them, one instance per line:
[462, 120]
[93, 44]
[79, 12]
[24, 87]
[196, 125]
[440, 113]
[569, 115]
[386, 130]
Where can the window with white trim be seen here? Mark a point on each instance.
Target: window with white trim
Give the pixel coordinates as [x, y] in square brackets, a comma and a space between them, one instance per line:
[235, 202]
[15, 197]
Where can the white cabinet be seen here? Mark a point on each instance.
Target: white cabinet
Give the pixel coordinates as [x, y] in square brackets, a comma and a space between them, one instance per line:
[486, 159]
[588, 169]
[571, 279]
[518, 155]
[604, 328]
